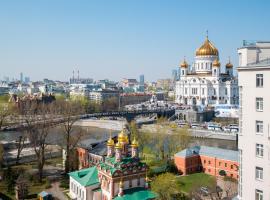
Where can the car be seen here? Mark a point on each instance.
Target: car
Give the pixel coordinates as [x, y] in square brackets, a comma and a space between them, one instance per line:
[194, 125]
[204, 191]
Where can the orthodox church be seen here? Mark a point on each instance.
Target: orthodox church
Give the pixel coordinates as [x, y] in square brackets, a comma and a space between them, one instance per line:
[121, 175]
[204, 83]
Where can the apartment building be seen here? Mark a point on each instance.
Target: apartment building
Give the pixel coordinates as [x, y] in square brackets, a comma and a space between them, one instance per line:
[254, 135]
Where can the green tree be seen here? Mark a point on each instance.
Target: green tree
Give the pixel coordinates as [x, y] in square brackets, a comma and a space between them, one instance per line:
[164, 186]
[178, 140]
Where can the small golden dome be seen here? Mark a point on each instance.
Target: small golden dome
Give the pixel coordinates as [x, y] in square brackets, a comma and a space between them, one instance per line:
[229, 65]
[122, 137]
[207, 49]
[118, 145]
[134, 143]
[216, 63]
[110, 142]
[184, 64]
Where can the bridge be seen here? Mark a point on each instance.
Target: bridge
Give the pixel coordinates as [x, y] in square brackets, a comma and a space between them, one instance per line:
[129, 115]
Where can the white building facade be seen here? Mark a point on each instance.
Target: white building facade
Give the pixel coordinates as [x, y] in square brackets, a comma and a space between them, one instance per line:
[203, 83]
[254, 121]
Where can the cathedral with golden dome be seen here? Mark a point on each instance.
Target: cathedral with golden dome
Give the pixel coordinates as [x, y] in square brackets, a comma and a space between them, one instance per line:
[206, 82]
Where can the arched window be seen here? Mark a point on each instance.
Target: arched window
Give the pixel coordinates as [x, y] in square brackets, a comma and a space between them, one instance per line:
[215, 71]
[206, 65]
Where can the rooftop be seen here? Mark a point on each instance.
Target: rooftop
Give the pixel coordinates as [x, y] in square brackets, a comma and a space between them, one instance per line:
[86, 177]
[136, 194]
[209, 151]
[112, 165]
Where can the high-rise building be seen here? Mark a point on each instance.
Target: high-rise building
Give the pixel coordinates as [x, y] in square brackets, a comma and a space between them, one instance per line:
[21, 77]
[27, 79]
[174, 75]
[141, 84]
[254, 121]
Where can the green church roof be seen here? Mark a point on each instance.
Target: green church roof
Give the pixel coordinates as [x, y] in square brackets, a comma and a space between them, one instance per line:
[86, 177]
[112, 165]
[137, 194]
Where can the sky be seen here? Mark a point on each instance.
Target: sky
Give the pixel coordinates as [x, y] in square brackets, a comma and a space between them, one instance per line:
[118, 39]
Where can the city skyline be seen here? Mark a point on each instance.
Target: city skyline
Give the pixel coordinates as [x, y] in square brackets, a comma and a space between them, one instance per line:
[120, 39]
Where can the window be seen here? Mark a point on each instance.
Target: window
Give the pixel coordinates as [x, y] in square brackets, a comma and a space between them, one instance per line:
[259, 173]
[259, 126]
[219, 164]
[183, 72]
[214, 91]
[185, 90]
[209, 162]
[202, 91]
[259, 104]
[225, 164]
[194, 91]
[204, 161]
[259, 80]
[258, 195]
[259, 150]
[231, 166]
[226, 91]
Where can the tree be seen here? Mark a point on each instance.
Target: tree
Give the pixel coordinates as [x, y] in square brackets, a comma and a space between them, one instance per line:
[37, 116]
[178, 140]
[20, 146]
[1, 155]
[6, 111]
[164, 186]
[70, 111]
[229, 186]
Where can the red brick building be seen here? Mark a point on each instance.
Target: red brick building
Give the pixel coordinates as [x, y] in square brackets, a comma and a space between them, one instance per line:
[211, 160]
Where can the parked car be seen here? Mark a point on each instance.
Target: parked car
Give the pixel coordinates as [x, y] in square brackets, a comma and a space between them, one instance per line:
[204, 191]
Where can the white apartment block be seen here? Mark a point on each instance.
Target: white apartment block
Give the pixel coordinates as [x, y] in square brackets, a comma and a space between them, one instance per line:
[254, 135]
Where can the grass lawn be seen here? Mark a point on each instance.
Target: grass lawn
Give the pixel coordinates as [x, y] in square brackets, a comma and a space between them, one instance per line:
[186, 183]
[35, 188]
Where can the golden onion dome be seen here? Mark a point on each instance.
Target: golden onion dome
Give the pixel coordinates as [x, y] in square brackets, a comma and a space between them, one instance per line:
[134, 143]
[122, 137]
[216, 63]
[110, 142]
[229, 65]
[207, 49]
[118, 145]
[184, 64]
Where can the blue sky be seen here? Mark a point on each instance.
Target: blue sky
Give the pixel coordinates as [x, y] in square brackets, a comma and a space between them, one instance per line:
[121, 38]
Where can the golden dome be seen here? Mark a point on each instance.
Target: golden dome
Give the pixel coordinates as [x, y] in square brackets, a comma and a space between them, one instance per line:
[207, 49]
[184, 64]
[122, 137]
[216, 63]
[118, 145]
[229, 65]
[134, 143]
[110, 142]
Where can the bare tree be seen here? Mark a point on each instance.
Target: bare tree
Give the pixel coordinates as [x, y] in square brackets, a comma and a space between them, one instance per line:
[6, 111]
[20, 145]
[70, 111]
[37, 116]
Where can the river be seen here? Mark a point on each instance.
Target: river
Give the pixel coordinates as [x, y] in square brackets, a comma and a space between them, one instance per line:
[94, 134]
